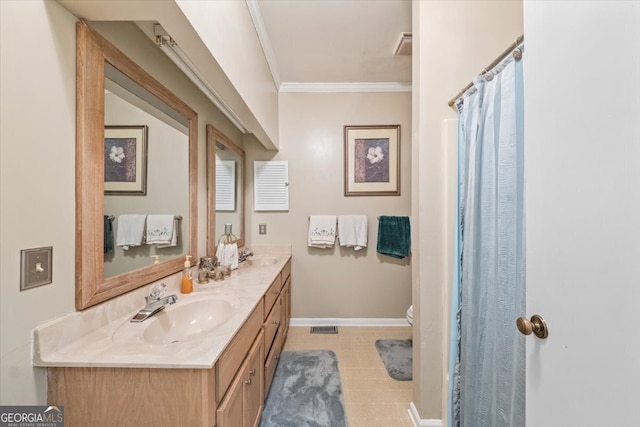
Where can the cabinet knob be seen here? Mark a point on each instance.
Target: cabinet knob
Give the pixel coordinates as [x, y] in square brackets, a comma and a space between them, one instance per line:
[248, 382]
[252, 372]
[275, 322]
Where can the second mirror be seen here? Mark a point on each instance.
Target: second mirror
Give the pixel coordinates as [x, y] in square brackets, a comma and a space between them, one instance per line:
[225, 188]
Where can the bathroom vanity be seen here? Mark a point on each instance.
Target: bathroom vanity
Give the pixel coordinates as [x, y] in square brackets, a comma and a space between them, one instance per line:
[216, 371]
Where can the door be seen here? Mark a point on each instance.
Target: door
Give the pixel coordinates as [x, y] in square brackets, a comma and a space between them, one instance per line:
[582, 166]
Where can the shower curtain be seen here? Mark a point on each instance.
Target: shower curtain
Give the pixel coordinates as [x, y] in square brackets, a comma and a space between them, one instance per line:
[488, 365]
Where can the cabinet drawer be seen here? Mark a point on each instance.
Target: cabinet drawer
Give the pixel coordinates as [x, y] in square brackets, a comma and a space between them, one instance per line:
[271, 325]
[271, 295]
[234, 354]
[272, 361]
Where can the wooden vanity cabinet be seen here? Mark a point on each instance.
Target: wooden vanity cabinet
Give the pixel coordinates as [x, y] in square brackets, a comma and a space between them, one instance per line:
[231, 394]
[244, 400]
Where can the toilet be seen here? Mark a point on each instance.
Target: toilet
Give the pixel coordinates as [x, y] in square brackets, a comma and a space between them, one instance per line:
[410, 315]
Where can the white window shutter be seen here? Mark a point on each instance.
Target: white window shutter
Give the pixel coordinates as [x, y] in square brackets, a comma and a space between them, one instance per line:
[271, 185]
[225, 185]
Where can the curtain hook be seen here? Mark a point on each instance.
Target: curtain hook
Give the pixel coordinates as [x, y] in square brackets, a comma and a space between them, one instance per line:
[488, 75]
[517, 54]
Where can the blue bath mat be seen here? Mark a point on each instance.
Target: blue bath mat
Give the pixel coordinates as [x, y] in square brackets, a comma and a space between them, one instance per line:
[305, 392]
[397, 356]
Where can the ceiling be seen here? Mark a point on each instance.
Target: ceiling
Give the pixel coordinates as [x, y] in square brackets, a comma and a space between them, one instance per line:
[333, 41]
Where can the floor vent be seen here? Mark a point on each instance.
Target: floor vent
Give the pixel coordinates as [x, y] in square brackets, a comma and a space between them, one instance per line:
[324, 329]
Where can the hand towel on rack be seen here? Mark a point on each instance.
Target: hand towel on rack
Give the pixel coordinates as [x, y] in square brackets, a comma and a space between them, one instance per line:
[227, 254]
[231, 255]
[130, 230]
[394, 236]
[220, 253]
[162, 231]
[322, 231]
[352, 231]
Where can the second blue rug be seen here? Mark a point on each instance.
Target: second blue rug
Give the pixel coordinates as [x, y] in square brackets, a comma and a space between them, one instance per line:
[306, 391]
[397, 356]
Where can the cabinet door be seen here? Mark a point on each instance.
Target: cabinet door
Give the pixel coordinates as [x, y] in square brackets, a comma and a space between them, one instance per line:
[253, 381]
[230, 411]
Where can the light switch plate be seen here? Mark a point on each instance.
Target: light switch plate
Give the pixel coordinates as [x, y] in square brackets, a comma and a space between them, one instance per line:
[36, 266]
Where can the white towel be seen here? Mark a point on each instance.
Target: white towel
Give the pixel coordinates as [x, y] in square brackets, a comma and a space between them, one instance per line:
[130, 230]
[227, 254]
[352, 231]
[322, 231]
[161, 230]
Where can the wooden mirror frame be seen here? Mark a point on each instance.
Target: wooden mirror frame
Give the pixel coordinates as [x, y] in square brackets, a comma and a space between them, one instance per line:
[214, 135]
[92, 287]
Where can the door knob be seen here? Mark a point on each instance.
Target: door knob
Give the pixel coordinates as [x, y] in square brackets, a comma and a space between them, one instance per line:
[536, 325]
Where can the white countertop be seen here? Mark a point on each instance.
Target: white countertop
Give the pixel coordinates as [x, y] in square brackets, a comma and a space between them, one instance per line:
[102, 336]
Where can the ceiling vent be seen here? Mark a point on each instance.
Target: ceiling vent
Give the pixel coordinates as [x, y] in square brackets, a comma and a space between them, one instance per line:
[404, 45]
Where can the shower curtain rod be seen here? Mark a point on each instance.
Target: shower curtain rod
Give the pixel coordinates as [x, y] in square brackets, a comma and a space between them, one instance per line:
[495, 62]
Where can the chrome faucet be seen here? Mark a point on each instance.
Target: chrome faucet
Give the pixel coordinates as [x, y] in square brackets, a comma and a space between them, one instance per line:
[244, 254]
[156, 302]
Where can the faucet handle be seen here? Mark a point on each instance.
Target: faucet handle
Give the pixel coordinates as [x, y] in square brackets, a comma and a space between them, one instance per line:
[157, 291]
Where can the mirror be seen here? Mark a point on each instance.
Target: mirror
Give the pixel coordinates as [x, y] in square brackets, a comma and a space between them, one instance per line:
[136, 178]
[106, 78]
[225, 188]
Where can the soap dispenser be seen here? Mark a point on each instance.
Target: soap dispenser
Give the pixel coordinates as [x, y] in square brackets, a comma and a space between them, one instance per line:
[187, 281]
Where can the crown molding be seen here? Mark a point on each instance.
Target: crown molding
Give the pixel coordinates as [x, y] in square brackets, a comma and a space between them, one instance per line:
[288, 87]
[258, 23]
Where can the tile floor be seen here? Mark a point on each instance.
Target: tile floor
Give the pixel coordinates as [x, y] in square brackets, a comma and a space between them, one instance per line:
[372, 398]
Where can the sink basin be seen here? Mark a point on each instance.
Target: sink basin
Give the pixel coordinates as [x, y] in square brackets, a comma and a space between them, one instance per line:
[261, 261]
[187, 321]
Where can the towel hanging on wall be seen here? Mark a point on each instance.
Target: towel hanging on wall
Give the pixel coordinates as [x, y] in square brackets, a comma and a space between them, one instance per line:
[352, 231]
[322, 231]
[394, 236]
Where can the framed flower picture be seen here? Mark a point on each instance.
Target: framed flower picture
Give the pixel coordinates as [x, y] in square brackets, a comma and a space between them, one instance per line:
[372, 160]
[125, 160]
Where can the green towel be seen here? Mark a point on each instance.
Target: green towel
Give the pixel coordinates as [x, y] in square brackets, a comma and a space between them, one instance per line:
[394, 236]
[108, 235]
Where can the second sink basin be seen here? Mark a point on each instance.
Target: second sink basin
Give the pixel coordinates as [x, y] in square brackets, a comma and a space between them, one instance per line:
[261, 261]
[187, 321]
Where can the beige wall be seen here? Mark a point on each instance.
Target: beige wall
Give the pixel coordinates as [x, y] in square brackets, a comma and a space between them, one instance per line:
[338, 282]
[453, 42]
[37, 152]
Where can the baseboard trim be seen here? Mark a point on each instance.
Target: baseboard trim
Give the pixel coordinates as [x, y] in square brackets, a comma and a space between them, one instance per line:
[418, 422]
[337, 321]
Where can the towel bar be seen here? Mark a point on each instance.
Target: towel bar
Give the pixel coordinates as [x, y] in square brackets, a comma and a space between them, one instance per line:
[177, 217]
